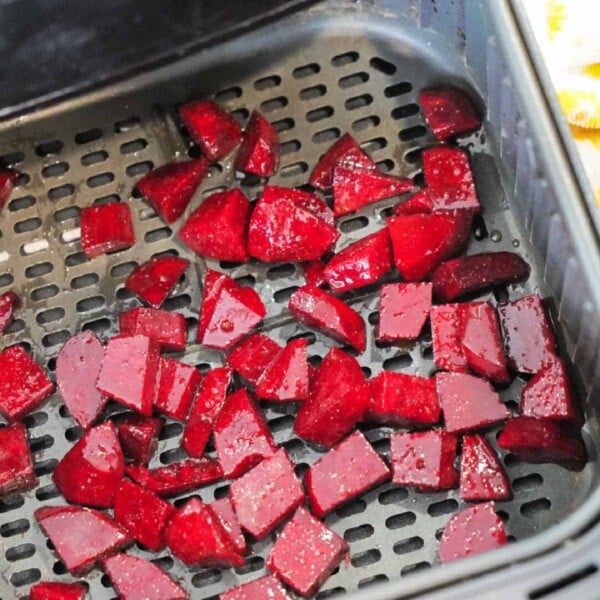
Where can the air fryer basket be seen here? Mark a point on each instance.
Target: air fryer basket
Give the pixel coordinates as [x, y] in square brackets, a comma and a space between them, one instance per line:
[340, 66]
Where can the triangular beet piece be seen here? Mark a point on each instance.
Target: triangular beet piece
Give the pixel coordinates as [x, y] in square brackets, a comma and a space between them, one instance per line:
[81, 536]
[446, 336]
[9, 302]
[54, 590]
[259, 152]
[482, 476]
[138, 436]
[218, 227]
[106, 228]
[253, 355]
[16, 466]
[444, 166]
[8, 179]
[170, 188]
[440, 199]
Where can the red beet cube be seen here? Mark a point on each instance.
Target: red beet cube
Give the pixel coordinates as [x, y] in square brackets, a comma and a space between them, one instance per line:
[23, 385]
[441, 199]
[91, 471]
[446, 335]
[259, 152]
[482, 476]
[138, 437]
[267, 494]
[473, 530]
[253, 355]
[54, 590]
[167, 329]
[314, 273]
[216, 132]
[331, 316]
[444, 166]
[468, 402]
[8, 179]
[128, 371]
[404, 400]
[196, 536]
[259, 589]
[16, 466]
[403, 310]
[361, 263]
[306, 553]
[106, 228]
[170, 188]
[224, 510]
[448, 111]
[218, 227]
[339, 398]
[143, 514]
[177, 384]
[528, 339]
[9, 302]
[153, 281]
[241, 435]
[81, 536]
[424, 459]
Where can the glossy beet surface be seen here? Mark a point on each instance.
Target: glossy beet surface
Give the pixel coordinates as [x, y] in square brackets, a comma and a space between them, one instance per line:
[8, 179]
[449, 111]
[9, 302]
[106, 228]
[16, 466]
[440, 199]
[138, 436]
[446, 336]
[176, 387]
[259, 589]
[314, 272]
[54, 590]
[253, 355]
[224, 510]
[403, 310]
[445, 166]
[259, 152]
[166, 328]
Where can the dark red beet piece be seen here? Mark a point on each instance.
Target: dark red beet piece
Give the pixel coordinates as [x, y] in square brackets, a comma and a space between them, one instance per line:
[8, 179]
[128, 371]
[468, 402]
[306, 553]
[424, 459]
[143, 514]
[473, 530]
[259, 589]
[135, 578]
[339, 398]
[91, 471]
[448, 111]
[224, 510]
[259, 152]
[54, 590]
[138, 437]
[81, 536]
[196, 536]
[482, 476]
[77, 368]
[440, 199]
[446, 335]
[361, 263]
[253, 355]
[166, 328]
[170, 188]
[317, 309]
[23, 385]
[9, 302]
[106, 228]
[346, 471]
[267, 494]
[16, 466]
[404, 400]
[216, 132]
[445, 166]
[528, 339]
[218, 227]
[241, 435]
[153, 281]
[403, 310]
[310, 203]
[314, 273]
[177, 384]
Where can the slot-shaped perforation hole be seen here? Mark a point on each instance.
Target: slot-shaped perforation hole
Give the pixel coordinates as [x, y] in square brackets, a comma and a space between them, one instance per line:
[265, 83]
[93, 158]
[55, 170]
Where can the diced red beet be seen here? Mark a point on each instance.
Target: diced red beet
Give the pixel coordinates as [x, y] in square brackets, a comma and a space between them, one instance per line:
[138, 437]
[218, 227]
[361, 263]
[9, 302]
[81, 536]
[77, 368]
[54, 590]
[259, 152]
[468, 402]
[317, 309]
[482, 476]
[224, 510]
[421, 242]
[446, 334]
[346, 471]
[216, 132]
[528, 339]
[106, 228]
[196, 536]
[128, 371]
[305, 201]
[91, 471]
[404, 400]
[286, 377]
[241, 435]
[177, 384]
[306, 553]
[8, 179]
[314, 272]
[267, 494]
[542, 441]
[440, 199]
[445, 166]
[153, 281]
[253, 355]
[259, 589]
[339, 398]
[23, 386]
[16, 466]
[178, 477]
[143, 514]
[344, 151]
[206, 409]
[403, 310]
[228, 312]
[424, 459]
[448, 111]
[473, 530]
[135, 578]
[166, 328]
[170, 188]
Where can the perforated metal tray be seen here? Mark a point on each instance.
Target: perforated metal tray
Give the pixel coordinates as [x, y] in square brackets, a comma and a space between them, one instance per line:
[338, 67]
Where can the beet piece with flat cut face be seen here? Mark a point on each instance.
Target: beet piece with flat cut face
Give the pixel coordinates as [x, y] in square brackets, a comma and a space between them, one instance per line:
[314, 272]
[16, 466]
[176, 387]
[224, 510]
[446, 336]
[154, 280]
[166, 328]
[9, 302]
[54, 590]
[440, 199]
[8, 180]
[449, 111]
[138, 436]
[445, 166]
[259, 589]
[106, 228]
[259, 152]
[253, 355]
[403, 310]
